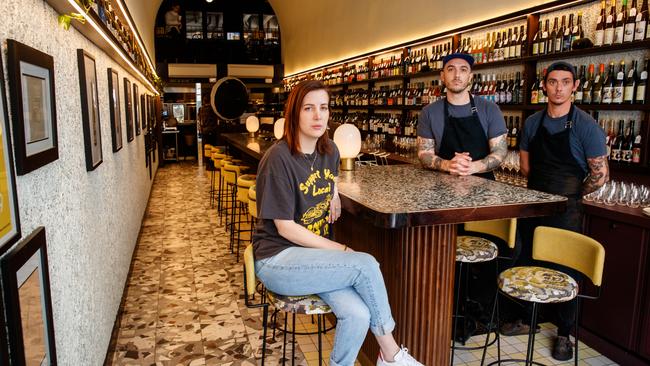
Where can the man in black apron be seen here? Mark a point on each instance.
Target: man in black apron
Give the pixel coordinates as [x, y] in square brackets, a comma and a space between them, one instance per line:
[563, 152]
[461, 134]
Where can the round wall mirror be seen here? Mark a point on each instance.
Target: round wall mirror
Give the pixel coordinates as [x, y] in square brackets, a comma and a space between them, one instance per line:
[229, 98]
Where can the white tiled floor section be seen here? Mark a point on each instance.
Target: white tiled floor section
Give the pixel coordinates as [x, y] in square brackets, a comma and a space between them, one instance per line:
[184, 300]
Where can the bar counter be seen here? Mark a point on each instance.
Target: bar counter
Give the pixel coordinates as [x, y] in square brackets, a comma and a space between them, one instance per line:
[406, 217]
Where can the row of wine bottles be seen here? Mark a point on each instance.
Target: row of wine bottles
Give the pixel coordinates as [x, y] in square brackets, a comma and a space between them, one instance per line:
[625, 86]
[390, 123]
[498, 46]
[625, 25]
[500, 89]
[625, 145]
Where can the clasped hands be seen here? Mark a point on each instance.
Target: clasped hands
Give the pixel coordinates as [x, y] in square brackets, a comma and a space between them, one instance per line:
[462, 164]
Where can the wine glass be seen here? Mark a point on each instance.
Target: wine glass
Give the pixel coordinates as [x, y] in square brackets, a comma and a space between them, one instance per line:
[611, 196]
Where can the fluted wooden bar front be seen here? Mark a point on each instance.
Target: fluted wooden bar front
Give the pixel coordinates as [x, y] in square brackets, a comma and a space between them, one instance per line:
[406, 218]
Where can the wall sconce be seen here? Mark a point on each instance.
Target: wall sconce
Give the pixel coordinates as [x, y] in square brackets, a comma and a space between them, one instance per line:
[348, 139]
[278, 128]
[252, 125]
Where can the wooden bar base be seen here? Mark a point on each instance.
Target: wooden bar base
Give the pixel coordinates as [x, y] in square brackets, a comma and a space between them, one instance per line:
[418, 267]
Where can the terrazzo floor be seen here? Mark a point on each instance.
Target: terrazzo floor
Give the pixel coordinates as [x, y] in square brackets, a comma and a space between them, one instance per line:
[184, 305]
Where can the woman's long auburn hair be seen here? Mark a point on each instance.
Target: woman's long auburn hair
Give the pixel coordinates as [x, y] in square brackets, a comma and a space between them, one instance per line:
[292, 117]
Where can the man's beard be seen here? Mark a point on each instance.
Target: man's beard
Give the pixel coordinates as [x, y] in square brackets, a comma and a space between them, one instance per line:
[457, 90]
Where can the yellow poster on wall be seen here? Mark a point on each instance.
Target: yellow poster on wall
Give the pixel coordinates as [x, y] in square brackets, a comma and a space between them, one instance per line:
[6, 226]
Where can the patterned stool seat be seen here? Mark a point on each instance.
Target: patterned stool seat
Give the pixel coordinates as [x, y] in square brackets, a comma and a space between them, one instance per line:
[309, 304]
[537, 284]
[473, 249]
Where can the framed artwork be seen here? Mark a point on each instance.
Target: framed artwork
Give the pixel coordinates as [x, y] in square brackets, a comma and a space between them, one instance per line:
[90, 109]
[136, 116]
[26, 286]
[143, 107]
[114, 107]
[9, 218]
[33, 107]
[128, 110]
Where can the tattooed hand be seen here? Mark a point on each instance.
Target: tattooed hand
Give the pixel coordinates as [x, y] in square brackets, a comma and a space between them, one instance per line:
[598, 174]
[498, 151]
[428, 157]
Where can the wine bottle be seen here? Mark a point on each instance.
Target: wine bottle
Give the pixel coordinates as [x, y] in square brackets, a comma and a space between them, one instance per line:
[610, 25]
[534, 91]
[630, 84]
[641, 29]
[630, 23]
[505, 45]
[568, 35]
[641, 86]
[597, 91]
[628, 144]
[587, 85]
[578, 98]
[637, 148]
[537, 38]
[516, 134]
[619, 85]
[617, 145]
[562, 36]
[510, 130]
[522, 50]
[608, 85]
[621, 18]
[514, 44]
[551, 45]
[599, 38]
[543, 42]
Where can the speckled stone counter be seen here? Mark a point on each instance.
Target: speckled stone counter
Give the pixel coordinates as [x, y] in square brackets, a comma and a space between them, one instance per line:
[254, 147]
[405, 195]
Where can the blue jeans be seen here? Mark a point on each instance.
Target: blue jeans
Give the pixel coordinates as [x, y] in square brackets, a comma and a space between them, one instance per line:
[349, 282]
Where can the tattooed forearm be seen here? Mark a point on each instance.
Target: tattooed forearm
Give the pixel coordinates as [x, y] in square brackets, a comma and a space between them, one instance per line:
[498, 151]
[427, 154]
[598, 174]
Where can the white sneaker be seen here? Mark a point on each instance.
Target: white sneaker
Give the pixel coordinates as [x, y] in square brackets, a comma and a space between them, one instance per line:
[402, 358]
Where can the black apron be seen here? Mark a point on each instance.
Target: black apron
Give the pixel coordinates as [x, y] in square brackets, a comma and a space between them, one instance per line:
[464, 134]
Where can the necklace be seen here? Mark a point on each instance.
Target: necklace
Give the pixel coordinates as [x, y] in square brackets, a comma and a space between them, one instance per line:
[311, 163]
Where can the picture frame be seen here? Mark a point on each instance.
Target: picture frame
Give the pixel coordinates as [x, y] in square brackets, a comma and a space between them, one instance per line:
[128, 110]
[90, 118]
[114, 108]
[136, 113]
[143, 107]
[9, 213]
[33, 106]
[28, 303]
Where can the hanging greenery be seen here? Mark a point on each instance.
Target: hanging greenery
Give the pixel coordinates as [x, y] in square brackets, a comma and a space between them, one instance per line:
[66, 19]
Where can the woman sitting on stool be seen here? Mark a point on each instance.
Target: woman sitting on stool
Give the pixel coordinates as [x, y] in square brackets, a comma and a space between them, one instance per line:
[297, 199]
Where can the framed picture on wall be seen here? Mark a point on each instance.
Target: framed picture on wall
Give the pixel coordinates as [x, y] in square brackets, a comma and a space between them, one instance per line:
[26, 287]
[33, 106]
[143, 107]
[128, 110]
[90, 109]
[136, 115]
[114, 108]
[9, 218]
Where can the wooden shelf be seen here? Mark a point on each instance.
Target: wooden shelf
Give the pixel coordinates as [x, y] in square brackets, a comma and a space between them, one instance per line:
[387, 78]
[423, 74]
[638, 45]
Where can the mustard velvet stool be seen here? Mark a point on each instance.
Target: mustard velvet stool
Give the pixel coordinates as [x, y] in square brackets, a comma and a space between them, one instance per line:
[540, 285]
[479, 248]
[244, 182]
[215, 177]
[230, 172]
[308, 304]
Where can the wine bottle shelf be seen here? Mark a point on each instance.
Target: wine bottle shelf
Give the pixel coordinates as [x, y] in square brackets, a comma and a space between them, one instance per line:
[616, 48]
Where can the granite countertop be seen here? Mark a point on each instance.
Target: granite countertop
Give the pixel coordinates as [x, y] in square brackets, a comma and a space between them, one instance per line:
[253, 146]
[407, 195]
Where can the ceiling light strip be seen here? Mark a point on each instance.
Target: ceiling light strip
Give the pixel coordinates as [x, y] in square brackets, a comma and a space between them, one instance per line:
[137, 34]
[117, 49]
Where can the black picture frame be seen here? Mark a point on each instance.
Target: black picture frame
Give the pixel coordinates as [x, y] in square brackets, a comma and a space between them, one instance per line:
[90, 109]
[33, 106]
[9, 213]
[128, 108]
[24, 268]
[136, 113]
[143, 108]
[114, 108]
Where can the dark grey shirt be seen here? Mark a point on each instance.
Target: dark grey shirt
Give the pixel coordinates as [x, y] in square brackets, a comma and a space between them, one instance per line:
[288, 188]
[431, 122]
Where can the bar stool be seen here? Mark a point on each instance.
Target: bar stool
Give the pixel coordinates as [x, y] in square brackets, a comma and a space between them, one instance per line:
[252, 204]
[479, 248]
[308, 304]
[216, 159]
[541, 285]
[230, 171]
[244, 182]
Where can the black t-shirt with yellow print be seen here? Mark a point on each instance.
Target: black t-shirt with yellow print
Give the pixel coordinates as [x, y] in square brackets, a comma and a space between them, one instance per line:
[292, 187]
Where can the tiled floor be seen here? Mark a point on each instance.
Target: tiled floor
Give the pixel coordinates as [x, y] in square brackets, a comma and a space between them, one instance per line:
[184, 301]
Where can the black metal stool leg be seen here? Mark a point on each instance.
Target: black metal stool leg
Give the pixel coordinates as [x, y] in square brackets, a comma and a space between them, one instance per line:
[293, 341]
[575, 355]
[456, 306]
[284, 344]
[320, 342]
[264, 326]
[531, 337]
[487, 335]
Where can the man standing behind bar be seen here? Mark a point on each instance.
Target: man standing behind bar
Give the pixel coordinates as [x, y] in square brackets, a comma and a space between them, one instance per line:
[563, 152]
[459, 134]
